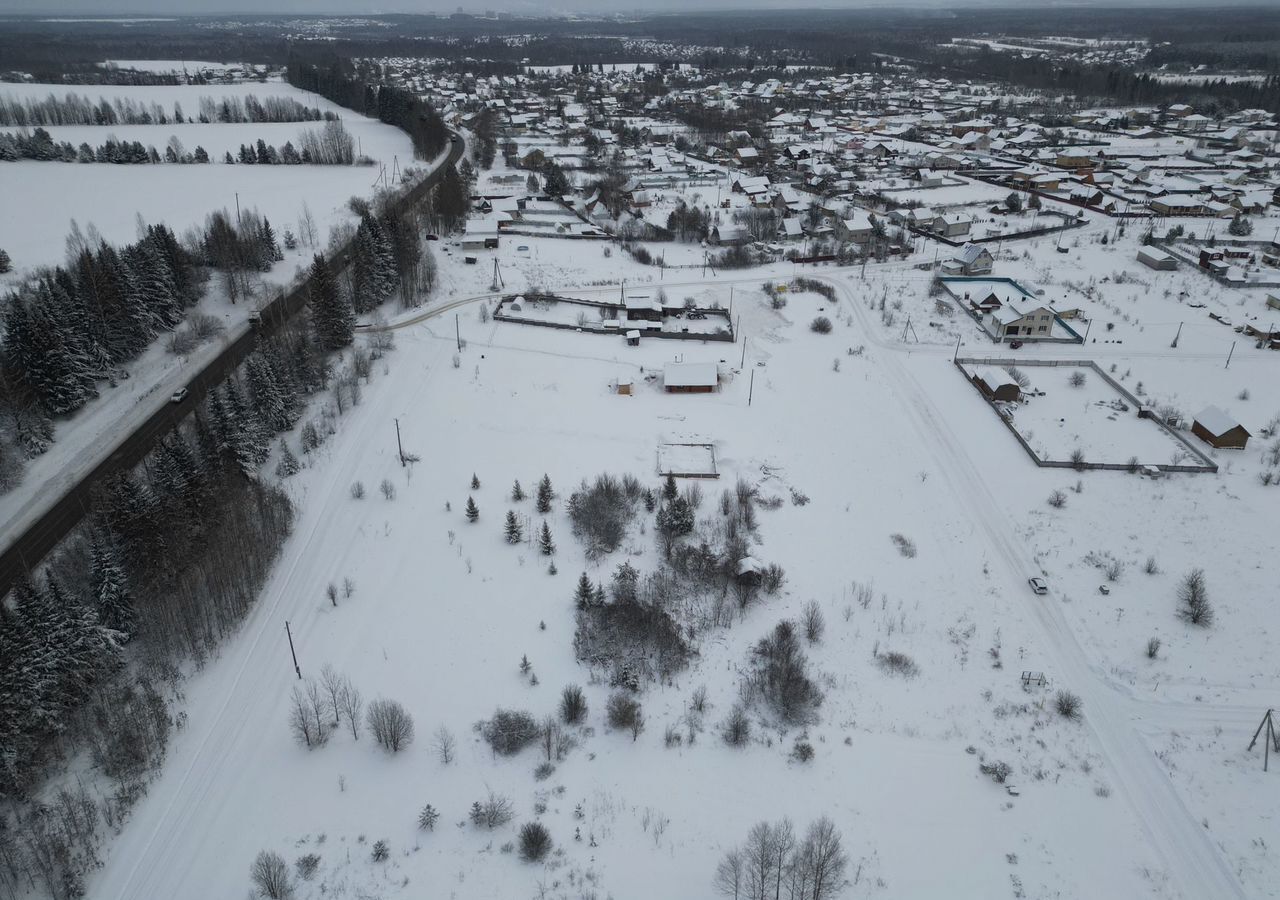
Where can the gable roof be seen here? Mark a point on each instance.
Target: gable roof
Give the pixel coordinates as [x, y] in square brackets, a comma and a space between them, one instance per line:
[1217, 422]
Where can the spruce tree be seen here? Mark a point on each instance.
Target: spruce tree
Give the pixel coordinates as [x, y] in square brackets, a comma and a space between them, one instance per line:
[544, 495]
[288, 464]
[545, 544]
[267, 238]
[472, 511]
[331, 314]
[6, 264]
[475, 482]
[512, 528]
[517, 492]
[669, 490]
[111, 589]
[582, 596]
[598, 597]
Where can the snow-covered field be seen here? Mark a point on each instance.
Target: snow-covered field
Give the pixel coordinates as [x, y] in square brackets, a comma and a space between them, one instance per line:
[886, 440]
[112, 198]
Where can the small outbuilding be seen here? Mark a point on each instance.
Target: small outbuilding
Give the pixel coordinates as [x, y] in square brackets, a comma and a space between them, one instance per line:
[1219, 430]
[995, 383]
[1156, 259]
[623, 383]
[690, 378]
[633, 338]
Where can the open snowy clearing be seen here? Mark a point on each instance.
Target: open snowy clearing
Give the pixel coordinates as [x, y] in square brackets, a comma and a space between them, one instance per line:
[1092, 418]
[444, 610]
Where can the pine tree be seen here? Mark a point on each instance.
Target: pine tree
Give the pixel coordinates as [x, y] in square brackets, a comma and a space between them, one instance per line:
[582, 596]
[517, 492]
[669, 490]
[512, 528]
[545, 543]
[544, 495]
[472, 511]
[6, 264]
[111, 590]
[598, 597]
[475, 482]
[288, 464]
[331, 314]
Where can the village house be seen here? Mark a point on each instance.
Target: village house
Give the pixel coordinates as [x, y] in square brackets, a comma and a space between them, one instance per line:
[690, 378]
[973, 259]
[1019, 318]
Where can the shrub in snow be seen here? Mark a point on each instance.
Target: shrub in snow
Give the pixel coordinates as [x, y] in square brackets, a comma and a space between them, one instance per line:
[600, 513]
[779, 675]
[820, 325]
[998, 771]
[270, 876]
[492, 812]
[736, 728]
[1193, 600]
[814, 622]
[573, 705]
[307, 865]
[380, 851]
[543, 771]
[905, 545]
[896, 663]
[624, 713]
[1068, 705]
[391, 724]
[1153, 648]
[510, 731]
[1077, 379]
[802, 751]
[357, 490]
[1057, 499]
[388, 489]
[535, 841]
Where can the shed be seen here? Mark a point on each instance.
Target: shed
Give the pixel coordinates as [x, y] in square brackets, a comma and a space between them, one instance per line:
[633, 338]
[690, 378]
[624, 382]
[994, 383]
[1218, 429]
[1156, 259]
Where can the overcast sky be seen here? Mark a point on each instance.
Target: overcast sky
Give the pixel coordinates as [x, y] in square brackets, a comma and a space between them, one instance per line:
[541, 7]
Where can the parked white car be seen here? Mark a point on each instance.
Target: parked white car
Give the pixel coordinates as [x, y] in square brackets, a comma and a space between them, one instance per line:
[1038, 585]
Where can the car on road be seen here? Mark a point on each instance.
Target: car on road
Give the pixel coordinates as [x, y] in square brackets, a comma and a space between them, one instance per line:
[1015, 345]
[179, 395]
[1104, 590]
[1038, 585]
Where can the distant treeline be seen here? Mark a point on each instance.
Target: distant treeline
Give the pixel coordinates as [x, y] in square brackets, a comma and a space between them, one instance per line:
[77, 109]
[338, 83]
[331, 146]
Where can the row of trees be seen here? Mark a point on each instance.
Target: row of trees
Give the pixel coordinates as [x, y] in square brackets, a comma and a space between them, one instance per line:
[335, 80]
[77, 109]
[40, 145]
[73, 326]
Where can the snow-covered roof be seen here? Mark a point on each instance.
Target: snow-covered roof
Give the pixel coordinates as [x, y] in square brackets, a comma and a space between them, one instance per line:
[1215, 421]
[690, 374]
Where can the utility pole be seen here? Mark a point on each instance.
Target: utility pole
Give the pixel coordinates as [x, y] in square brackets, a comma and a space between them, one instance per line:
[1176, 336]
[457, 331]
[1229, 352]
[1273, 737]
[956, 354]
[751, 389]
[1087, 326]
[742, 363]
[291, 650]
[399, 446]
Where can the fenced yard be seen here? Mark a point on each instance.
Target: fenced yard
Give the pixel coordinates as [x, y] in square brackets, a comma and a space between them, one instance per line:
[1073, 415]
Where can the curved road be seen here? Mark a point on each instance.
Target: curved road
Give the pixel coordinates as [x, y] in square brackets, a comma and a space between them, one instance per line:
[26, 551]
